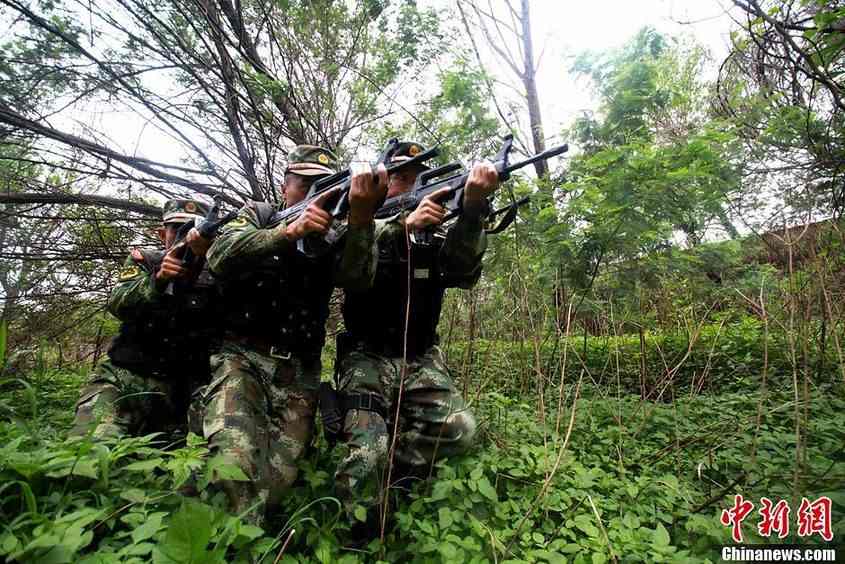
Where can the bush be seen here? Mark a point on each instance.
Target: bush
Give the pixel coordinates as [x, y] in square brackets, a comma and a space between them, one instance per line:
[720, 358]
[640, 480]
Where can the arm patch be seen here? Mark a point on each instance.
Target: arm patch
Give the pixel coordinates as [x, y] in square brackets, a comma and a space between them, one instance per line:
[129, 273]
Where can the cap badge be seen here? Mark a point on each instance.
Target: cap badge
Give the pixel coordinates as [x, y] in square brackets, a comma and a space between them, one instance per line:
[323, 158]
[414, 150]
[190, 207]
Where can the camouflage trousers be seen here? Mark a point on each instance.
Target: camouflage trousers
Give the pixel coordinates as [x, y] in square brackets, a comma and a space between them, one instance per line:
[434, 422]
[117, 401]
[258, 414]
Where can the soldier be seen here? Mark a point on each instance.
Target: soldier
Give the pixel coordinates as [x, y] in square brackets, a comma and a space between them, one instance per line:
[258, 410]
[161, 351]
[434, 422]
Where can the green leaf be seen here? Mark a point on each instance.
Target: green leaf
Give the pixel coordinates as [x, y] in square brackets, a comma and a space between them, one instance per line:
[144, 465]
[584, 523]
[250, 532]
[8, 543]
[187, 536]
[441, 490]
[149, 528]
[661, 536]
[134, 495]
[487, 490]
[445, 516]
[360, 513]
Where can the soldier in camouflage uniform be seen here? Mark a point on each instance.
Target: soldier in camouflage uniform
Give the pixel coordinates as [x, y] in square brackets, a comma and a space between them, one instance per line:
[258, 410]
[434, 422]
[161, 351]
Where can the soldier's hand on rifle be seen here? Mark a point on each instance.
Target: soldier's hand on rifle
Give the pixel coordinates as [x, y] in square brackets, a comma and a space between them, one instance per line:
[198, 244]
[313, 220]
[171, 266]
[429, 212]
[366, 192]
[482, 181]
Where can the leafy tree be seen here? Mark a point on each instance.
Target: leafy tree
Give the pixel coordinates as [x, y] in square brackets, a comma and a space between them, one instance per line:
[456, 118]
[652, 164]
[782, 86]
[232, 85]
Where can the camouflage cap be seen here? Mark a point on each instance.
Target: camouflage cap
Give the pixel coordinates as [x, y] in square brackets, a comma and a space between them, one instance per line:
[310, 160]
[180, 211]
[405, 151]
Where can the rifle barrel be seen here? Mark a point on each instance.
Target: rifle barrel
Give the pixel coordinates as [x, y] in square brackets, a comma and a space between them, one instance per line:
[547, 154]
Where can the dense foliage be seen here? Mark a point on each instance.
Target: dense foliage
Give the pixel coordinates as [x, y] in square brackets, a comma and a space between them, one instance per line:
[630, 478]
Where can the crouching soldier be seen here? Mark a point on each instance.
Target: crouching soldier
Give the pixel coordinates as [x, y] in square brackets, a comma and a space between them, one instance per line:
[392, 323]
[161, 352]
[258, 411]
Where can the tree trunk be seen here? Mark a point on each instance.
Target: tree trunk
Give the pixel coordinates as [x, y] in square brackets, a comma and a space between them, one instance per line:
[529, 79]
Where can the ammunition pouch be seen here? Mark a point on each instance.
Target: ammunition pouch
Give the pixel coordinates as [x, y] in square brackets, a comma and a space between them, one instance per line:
[334, 405]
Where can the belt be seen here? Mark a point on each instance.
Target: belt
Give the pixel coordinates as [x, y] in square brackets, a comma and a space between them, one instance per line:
[269, 347]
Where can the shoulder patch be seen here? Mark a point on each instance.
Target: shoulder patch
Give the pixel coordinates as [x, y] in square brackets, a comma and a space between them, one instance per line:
[237, 223]
[128, 273]
[137, 255]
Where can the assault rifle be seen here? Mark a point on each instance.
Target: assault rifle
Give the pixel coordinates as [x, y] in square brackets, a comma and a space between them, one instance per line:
[454, 176]
[338, 205]
[208, 229]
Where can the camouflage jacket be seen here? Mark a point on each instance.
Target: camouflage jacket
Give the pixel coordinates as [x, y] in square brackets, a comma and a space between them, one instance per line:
[158, 329]
[137, 290]
[461, 247]
[274, 293]
[376, 317]
[249, 239]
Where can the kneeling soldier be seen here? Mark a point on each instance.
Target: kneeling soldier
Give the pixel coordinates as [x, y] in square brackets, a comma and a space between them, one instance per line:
[258, 410]
[161, 352]
[433, 419]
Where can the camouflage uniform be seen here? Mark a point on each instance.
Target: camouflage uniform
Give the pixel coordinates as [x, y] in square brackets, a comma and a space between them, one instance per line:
[434, 421]
[161, 351]
[258, 411]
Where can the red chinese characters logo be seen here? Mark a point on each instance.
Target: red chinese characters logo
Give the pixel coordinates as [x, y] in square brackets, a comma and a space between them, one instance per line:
[773, 519]
[813, 517]
[736, 515]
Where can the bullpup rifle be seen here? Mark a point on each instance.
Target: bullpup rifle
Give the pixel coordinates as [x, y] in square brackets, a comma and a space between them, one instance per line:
[208, 229]
[338, 204]
[454, 177]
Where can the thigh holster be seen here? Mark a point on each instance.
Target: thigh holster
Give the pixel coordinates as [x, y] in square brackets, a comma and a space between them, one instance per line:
[335, 404]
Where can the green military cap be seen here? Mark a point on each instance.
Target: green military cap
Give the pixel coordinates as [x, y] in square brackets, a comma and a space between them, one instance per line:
[407, 150]
[180, 211]
[310, 160]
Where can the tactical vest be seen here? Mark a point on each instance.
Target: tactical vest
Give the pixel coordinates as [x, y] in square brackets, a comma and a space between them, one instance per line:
[176, 332]
[375, 318]
[283, 301]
